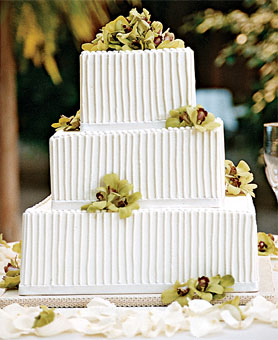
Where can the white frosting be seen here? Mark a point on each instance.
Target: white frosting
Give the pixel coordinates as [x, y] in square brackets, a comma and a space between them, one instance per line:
[135, 86]
[74, 252]
[162, 164]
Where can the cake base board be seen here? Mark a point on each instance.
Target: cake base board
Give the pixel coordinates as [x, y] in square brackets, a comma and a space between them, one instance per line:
[266, 289]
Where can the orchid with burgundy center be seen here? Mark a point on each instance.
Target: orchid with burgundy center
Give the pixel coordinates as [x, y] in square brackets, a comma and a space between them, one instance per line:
[213, 288]
[115, 196]
[192, 116]
[266, 245]
[135, 32]
[238, 179]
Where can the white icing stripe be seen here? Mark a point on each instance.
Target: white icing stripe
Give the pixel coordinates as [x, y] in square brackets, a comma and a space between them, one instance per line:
[147, 85]
[149, 159]
[100, 253]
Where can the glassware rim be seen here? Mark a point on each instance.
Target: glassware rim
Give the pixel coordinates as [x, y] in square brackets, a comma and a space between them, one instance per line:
[273, 124]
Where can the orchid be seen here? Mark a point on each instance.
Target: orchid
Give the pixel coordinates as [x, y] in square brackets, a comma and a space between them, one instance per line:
[9, 264]
[238, 179]
[68, 123]
[191, 116]
[136, 32]
[266, 245]
[114, 196]
[205, 288]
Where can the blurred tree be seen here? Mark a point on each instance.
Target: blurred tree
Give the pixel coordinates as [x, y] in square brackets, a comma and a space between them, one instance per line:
[34, 26]
[256, 39]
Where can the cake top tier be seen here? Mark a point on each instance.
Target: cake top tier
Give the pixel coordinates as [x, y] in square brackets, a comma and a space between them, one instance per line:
[133, 74]
[135, 86]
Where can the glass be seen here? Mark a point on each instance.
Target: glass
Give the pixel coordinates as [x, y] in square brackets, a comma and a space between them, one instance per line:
[271, 155]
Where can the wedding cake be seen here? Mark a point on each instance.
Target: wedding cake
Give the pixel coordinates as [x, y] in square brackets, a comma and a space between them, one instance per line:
[185, 226]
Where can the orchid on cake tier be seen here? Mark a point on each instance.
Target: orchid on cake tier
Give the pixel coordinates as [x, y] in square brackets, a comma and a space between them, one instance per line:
[139, 123]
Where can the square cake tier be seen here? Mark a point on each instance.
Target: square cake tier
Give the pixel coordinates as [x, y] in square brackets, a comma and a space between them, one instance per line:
[75, 252]
[170, 167]
[133, 87]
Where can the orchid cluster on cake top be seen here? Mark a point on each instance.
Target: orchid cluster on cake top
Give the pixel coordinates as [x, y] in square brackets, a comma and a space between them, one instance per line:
[135, 32]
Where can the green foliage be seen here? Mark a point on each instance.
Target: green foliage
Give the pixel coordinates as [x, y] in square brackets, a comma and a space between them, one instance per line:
[255, 39]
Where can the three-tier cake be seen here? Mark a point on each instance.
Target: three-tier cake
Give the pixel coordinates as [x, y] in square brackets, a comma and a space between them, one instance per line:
[185, 226]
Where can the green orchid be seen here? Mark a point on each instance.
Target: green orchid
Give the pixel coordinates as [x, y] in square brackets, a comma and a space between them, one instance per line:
[11, 279]
[114, 196]
[266, 245]
[178, 292]
[205, 288]
[192, 116]
[136, 32]
[68, 123]
[238, 179]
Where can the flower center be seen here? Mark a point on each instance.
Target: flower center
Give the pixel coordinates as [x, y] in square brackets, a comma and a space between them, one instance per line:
[99, 196]
[235, 182]
[157, 40]
[262, 246]
[184, 117]
[202, 283]
[182, 291]
[233, 170]
[201, 116]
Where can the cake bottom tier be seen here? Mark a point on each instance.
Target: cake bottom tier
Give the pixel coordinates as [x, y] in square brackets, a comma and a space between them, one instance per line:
[74, 252]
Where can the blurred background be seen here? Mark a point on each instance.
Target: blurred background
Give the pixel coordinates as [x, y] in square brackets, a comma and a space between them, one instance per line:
[235, 44]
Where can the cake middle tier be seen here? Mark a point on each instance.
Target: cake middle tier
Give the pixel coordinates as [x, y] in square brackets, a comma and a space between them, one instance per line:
[168, 166]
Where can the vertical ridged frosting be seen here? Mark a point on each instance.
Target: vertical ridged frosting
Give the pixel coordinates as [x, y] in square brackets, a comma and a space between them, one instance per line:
[76, 252]
[135, 86]
[161, 163]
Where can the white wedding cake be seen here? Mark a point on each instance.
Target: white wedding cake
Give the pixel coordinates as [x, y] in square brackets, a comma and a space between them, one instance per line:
[186, 227]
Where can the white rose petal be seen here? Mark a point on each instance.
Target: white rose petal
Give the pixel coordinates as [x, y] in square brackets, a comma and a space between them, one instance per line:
[260, 308]
[174, 319]
[14, 309]
[80, 325]
[198, 306]
[130, 327]
[274, 318]
[59, 325]
[201, 326]
[234, 311]
[233, 322]
[24, 322]
[99, 302]
[8, 330]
